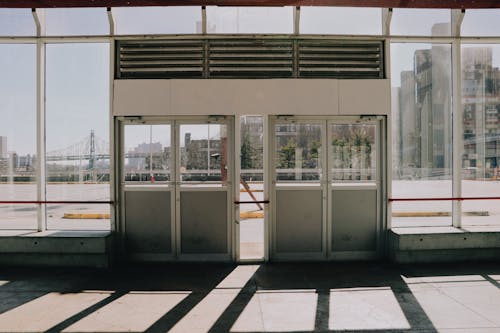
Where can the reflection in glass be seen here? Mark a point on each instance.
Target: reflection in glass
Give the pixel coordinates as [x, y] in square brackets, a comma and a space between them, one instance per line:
[18, 135]
[353, 152]
[421, 22]
[147, 153]
[481, 133]
[17, 22]
[341, 20]
[250, 20]
[157, 20]
[298, 152]
[77, 126]
[76, 21]
[203, 153]
[422, 128]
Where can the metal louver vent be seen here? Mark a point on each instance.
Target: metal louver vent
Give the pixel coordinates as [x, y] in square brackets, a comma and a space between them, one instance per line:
[340, 59]
[250, 58]
[160, 59]
[245, 57]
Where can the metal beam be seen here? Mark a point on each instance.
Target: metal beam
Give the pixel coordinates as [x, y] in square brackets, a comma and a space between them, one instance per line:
[453, 4]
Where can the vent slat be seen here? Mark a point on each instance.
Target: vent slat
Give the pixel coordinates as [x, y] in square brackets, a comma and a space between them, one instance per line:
[249, 57]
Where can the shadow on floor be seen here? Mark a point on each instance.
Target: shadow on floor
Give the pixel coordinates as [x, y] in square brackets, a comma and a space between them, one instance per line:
[280, 297]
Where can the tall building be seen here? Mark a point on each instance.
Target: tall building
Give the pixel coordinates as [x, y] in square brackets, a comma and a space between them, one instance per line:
[481, 112]
[3, 147]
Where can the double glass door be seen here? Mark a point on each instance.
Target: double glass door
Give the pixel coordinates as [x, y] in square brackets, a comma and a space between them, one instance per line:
[176, 188]
[325, 188]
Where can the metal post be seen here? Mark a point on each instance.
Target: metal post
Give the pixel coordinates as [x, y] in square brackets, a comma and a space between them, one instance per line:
[39, 17]
[457, 137]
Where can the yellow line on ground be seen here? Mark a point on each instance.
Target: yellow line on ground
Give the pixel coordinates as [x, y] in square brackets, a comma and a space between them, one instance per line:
[90, 216]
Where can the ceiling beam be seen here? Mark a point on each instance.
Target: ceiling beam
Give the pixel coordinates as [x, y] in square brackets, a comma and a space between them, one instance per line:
[454, 4]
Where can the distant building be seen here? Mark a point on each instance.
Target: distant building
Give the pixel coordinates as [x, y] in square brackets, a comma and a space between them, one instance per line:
[3, 147]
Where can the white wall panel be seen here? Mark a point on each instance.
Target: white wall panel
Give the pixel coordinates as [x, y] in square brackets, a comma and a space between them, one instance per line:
[266, 96]
[364, 97]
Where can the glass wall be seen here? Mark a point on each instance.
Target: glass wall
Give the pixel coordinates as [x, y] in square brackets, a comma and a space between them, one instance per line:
[18, 135]
[341, 20]
[422, 133]
[250, 20]
[77, 134]
[481, 133]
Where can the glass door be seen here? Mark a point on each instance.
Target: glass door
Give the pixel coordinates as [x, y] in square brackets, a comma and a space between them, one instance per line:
[148, 195]
[354, 188]
[298, 187]
[204, 189]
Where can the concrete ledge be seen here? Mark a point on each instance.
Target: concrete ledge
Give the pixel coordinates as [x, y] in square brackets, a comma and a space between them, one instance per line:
[56, 248]
[431, 244]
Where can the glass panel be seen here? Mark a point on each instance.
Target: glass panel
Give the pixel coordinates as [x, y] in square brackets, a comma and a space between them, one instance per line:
[481, 133]
[298, 152]
[203, 153]
[481, 22]
[147, 153]
[77, 125]
[250, 19]
[252, 187]
[18, 135]
[17, 22]
[421, 22]
[353, 152]
[157, 20]
[341, 20]
[422, 132]
[76, 21]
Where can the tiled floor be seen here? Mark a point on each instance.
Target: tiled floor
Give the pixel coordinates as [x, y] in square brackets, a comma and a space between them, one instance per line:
[284, 297]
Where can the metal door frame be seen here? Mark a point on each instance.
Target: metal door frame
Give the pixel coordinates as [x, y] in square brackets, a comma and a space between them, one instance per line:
[378, 185]
[273, 254]
[174, 185]
[327, 185]
[229, 255]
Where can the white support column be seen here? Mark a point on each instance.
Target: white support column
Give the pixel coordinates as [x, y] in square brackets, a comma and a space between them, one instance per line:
[386, 21]
[296, 21]
[39, 17]
[457, 16]
[113, 138]
[457, 137]
[111, 21]
[204, 20]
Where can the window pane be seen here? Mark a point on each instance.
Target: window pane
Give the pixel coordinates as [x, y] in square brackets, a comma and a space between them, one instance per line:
[18, 135]
[481, 133]
[77, 130]
[17, 22]
[481, 22]
[157, 20]
[203, 153]
[353, 152]
[421, 112]
[298, 152]
[143, 144]
[341, 20]
[76, 21]
[421, 22]
[250, 20]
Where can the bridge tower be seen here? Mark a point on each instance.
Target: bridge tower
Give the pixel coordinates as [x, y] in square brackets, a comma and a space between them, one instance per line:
[92, 155]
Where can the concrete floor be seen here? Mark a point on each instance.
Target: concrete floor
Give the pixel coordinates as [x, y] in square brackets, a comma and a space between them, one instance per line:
[311, 297]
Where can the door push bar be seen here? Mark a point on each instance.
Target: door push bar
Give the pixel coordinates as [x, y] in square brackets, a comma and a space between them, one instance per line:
[252, 202]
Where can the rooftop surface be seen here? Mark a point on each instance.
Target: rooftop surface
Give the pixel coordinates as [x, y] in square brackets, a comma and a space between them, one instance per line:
[284, 297]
